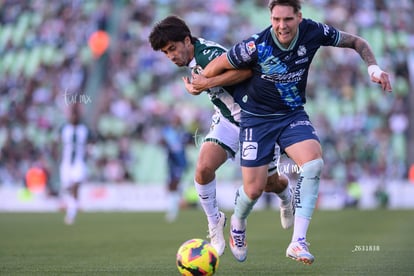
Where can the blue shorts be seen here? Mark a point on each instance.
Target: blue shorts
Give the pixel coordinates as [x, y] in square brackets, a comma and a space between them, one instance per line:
[258, 135]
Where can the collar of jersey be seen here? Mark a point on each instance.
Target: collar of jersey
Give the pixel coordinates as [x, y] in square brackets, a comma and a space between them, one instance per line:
[292, 43]
[192, 63]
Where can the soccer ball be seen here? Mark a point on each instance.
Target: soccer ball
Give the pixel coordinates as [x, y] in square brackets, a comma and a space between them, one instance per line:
[197, 257]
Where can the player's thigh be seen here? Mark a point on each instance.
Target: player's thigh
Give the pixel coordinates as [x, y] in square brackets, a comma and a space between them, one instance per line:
[304, 151]
[299, 139]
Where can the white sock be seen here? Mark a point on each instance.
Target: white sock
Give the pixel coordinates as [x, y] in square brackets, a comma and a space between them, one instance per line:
[285, 196]
[300, 228]
[208, 201]
[71, 207]
[173, 204]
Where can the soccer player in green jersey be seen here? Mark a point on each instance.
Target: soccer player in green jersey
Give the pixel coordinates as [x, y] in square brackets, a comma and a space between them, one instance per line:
[173, 37]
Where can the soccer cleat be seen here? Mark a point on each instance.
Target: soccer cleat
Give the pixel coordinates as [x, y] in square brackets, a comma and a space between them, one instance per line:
[287, 213]
[237, 241]
[299, 251]
[170, 217]
[216, 236]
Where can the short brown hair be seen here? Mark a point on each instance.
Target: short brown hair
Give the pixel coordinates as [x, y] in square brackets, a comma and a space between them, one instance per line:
[171, 28]
[295, 4]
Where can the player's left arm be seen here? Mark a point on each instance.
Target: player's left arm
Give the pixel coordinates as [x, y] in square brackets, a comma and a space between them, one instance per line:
[362, 47]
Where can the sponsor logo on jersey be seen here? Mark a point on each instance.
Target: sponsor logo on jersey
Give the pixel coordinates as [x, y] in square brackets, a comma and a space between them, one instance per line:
[244, 55]
[285, 78]
[300, 123]
[325, 29]
[251, 47]
[303, 60]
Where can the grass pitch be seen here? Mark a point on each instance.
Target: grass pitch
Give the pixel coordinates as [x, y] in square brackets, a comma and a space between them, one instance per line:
[349, 242]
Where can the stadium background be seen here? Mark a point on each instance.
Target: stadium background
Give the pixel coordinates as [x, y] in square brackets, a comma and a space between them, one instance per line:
[128, 91]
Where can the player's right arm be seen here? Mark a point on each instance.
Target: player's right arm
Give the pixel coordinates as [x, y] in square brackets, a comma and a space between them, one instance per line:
[217, 66]
[228, 78]
[362, 47]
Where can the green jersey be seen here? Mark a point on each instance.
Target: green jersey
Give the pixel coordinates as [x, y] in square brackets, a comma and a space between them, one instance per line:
[222, 97]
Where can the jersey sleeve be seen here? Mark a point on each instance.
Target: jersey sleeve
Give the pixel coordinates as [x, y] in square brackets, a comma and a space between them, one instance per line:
[206, 55]
[329, 36]
[243, 54]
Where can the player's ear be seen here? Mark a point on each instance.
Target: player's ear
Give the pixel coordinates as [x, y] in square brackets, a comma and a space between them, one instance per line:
[187, 40]
[300, 16]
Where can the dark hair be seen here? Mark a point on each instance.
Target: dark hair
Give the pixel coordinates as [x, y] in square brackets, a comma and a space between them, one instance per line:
[295, 4]
[171, 28]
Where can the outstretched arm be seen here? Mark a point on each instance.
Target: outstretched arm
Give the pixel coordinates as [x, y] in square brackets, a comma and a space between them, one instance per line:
[362, 47]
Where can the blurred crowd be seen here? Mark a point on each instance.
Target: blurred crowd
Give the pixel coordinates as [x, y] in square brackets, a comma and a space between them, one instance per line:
[129, 92]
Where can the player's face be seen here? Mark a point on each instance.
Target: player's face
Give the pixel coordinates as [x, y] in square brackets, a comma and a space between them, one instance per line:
[179, 52]
[285, 23]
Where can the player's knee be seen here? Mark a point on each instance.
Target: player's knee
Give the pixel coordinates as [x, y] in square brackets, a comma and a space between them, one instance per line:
[312, 168]
[276, 183]
[253, 192]
[204, 174]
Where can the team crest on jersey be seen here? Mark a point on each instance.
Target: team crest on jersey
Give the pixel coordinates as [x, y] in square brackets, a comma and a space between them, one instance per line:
[301, 51]
[250, 47]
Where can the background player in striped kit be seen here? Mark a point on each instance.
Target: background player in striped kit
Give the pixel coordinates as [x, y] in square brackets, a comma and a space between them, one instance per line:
[74, 139]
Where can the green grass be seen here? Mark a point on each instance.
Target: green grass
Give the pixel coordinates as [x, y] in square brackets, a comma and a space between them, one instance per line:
[143, 244]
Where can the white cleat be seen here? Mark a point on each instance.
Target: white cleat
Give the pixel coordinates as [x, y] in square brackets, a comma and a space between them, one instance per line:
[216, 236]
[299, 251]
[237, 241]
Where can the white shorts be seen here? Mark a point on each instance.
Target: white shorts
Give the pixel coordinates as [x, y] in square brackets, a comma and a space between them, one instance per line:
[226, 134]
[71, 174]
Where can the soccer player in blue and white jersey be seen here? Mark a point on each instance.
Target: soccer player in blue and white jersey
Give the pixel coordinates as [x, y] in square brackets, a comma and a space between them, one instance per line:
[174, 140]
[273, 111]
[172, 36]
[73, 170]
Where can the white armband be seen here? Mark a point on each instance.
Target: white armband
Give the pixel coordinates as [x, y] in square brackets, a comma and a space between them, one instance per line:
[374, 71]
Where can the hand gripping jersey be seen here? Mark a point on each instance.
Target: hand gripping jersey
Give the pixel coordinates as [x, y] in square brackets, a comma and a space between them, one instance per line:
[222, 97]
[280, 75]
